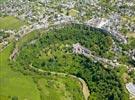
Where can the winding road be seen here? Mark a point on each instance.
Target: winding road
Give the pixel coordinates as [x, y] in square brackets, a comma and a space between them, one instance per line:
[85, 88]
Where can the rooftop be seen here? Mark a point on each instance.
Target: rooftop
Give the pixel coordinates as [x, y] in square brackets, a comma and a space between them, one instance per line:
[131, 88]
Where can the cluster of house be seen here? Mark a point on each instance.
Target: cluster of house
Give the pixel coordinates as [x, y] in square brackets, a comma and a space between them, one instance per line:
[107, 25]
[97, 22]
[59, 19]
[91, 2]
[24, 9]
[35, 12]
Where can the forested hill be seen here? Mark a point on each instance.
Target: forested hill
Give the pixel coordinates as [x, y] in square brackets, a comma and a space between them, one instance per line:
[53, 51]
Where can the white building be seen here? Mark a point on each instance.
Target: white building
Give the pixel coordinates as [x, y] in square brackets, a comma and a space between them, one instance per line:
[131, 88]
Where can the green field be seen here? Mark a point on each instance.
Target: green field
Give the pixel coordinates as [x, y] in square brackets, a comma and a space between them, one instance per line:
[10, 22]
[59, 88]
[14, 83]
[1, 1]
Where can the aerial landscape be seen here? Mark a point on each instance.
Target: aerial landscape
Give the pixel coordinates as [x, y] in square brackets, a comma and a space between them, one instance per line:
[67, 49]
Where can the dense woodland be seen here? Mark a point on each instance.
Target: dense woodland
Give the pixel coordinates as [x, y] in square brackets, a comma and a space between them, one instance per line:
[53, 51]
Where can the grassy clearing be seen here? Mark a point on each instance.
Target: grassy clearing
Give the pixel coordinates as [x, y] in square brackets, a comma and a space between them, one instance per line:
[130, 35]
[73, 12]
[10, 22]
[59, 88]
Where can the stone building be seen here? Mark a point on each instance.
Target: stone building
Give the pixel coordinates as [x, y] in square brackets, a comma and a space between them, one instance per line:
[78, 49]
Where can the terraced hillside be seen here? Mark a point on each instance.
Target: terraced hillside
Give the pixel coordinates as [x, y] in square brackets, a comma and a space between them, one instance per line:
[53, 51]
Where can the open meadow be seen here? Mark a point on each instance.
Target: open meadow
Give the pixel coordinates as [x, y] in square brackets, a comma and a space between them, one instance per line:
[11, 23]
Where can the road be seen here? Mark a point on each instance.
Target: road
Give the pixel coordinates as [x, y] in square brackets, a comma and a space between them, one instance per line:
[84, 85]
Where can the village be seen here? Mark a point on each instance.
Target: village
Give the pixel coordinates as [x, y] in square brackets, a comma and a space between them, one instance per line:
[64, 12]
